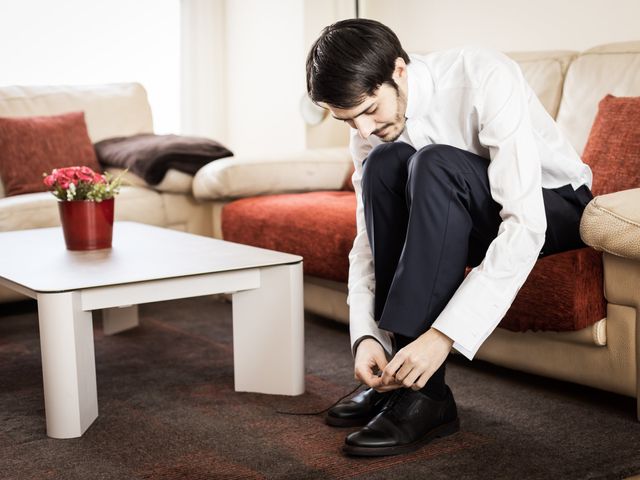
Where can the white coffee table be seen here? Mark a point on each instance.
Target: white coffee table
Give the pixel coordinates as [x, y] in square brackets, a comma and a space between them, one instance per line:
[150, 264]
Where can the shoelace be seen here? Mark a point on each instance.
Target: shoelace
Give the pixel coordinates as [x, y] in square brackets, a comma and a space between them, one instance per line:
[326, 409]
[395, 396]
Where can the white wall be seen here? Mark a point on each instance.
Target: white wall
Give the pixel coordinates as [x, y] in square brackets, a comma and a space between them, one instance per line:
[507, 25]
[317, 15]
[265, 75]
[203, 69]
[243, 72]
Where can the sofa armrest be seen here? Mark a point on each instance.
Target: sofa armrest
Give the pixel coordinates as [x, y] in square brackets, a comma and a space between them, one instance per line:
[611, 223]
[235, 177]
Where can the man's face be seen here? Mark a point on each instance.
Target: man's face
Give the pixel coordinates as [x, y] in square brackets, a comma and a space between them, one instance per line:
[381, 114]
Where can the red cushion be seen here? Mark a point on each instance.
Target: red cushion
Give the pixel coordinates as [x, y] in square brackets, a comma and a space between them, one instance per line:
[320, 226]
[563, 292]
[31, 146]
[613, 148]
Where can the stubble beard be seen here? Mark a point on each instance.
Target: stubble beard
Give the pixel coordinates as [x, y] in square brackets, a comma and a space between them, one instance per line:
[399, 122]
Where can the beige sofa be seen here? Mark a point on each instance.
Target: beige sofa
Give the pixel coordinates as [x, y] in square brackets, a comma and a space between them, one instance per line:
[569, 84]
[110, 110]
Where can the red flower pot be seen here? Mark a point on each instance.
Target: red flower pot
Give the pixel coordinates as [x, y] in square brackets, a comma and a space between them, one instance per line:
[87, 225]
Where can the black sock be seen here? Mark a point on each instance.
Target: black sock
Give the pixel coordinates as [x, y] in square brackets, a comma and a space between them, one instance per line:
[435, 386]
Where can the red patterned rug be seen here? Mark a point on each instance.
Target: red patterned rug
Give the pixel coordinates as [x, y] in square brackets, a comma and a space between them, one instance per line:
[168, 410]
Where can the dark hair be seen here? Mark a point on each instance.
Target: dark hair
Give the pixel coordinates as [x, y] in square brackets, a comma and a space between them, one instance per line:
[350, 60]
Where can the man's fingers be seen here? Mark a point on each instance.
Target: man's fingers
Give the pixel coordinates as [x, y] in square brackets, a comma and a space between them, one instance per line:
[388, 374]
[422, 381]
[366, 376]
[387, 388]
[381, 360]
[410, 379]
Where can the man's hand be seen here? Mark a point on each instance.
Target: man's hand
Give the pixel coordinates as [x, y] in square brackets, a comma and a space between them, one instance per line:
[414, 364]
[369, 359]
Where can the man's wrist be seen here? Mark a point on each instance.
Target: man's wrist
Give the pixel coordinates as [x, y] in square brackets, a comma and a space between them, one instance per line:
[359, 341]
[444, 337]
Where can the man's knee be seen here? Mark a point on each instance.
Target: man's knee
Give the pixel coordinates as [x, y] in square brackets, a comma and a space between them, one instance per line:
[386, 164]
[433, 162]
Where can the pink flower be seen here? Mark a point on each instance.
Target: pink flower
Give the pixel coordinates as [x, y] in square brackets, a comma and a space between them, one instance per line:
[85, 174]
[49, 181]
[85, 180]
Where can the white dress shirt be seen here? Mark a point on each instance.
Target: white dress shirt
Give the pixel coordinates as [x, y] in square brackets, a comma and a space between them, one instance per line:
[477, 100]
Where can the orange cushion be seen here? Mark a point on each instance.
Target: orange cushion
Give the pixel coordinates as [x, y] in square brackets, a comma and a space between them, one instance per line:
[31, 146]
[563, 292]
[320, 226]
[613, 148]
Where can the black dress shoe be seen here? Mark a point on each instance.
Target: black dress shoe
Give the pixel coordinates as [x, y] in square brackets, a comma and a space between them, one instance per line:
[357, 411]
[408, 420]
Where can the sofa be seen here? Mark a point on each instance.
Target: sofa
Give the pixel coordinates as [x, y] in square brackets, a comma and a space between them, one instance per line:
[110, 111]
[302, 203]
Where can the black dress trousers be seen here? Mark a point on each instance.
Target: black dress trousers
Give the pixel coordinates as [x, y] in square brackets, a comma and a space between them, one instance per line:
[429, 214]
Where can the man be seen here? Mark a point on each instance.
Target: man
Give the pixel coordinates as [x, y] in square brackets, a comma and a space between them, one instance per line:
[457, 164]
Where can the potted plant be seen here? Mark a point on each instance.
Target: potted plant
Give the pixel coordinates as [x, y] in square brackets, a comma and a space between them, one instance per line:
[86, 205]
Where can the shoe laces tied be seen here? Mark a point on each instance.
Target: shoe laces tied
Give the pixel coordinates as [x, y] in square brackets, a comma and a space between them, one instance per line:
[395, 396]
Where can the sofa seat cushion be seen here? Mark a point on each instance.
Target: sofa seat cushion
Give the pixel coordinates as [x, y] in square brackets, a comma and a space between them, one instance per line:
[563, 292]
[319, 226]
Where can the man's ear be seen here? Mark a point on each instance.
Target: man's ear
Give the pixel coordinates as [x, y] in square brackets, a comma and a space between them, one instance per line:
[400, 70]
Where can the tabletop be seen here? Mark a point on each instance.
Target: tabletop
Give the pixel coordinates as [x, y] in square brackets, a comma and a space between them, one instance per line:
[38, 259]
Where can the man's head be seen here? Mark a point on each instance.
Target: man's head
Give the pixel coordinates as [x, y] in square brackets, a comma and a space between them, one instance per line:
[357, 69]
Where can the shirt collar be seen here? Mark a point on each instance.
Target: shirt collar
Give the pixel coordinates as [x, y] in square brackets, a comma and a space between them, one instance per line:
[419, 87]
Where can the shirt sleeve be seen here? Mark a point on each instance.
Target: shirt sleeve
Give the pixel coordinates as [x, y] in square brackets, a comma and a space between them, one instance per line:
[361, 273]
[514, 173]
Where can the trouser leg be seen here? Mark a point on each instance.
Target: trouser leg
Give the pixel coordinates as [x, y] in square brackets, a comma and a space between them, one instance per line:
[428, 215]
[442, 196]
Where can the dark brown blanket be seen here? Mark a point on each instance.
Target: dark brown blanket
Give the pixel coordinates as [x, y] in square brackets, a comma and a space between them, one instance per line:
[150, 156]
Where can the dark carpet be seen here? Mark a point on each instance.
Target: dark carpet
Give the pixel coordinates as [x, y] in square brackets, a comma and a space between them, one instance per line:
[167, 410]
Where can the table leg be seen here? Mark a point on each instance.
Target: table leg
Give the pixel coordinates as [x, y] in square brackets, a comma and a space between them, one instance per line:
[119, 319]
[68, 364]
[268, 333]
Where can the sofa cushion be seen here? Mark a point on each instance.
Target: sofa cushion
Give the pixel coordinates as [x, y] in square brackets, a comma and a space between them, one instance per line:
[32, 146]
[150, 156]
[610, 69]
[563, 292]
[40, 210]
[173, 181]
[613, 148]
[237, 177]
[111, 110]
[319, 226]
[545, 72]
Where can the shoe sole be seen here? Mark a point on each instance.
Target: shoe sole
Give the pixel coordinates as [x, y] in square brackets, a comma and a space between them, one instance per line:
[441, 431]
[346, 422]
